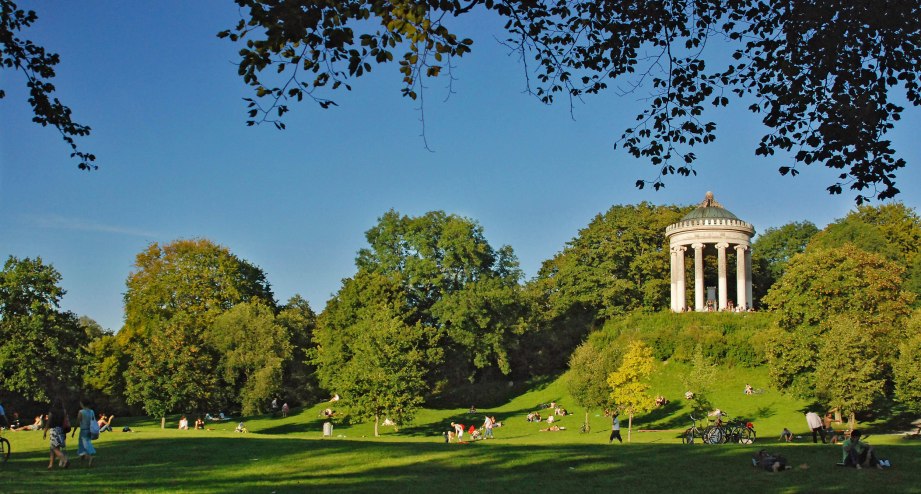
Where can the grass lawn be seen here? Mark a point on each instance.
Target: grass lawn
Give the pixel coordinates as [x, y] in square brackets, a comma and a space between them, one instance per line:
[288, 454]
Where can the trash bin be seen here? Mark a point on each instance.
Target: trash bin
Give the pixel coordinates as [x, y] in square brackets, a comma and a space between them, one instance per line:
[327, 429]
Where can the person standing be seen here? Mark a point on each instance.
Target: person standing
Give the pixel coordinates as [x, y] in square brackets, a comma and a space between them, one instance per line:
[815, 424]
[615, 428]
[85, 447]
[488, 425]
[3, 416]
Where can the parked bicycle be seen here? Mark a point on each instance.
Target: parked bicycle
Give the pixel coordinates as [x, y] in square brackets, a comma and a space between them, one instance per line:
[694, 433]
[4, 447]
[741, 433]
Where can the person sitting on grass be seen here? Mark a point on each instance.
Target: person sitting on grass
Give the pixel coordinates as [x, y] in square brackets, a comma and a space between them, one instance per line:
[786, 435]
[240, 428]
[183, 424]
[199, 423]
[833, 436]
[105, 422]
[858, 454]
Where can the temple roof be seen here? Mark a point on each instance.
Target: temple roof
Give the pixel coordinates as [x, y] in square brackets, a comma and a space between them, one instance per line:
[709, 208]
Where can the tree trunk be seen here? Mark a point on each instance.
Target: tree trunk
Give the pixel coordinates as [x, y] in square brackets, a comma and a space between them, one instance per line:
[629, 425]
[852, 421]
[163, 422]
[586, 416]
[377, 419]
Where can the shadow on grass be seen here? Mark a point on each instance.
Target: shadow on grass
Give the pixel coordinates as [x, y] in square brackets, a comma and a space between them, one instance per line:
[264, 464]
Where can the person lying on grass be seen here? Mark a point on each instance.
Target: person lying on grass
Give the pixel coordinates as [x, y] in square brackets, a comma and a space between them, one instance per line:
[770, 462]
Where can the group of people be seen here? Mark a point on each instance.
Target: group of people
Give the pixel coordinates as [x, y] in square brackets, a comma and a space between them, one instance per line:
[456, 434]
[58, 425]
[284, 408]
[854, 451]
[557, 411]
[184, 423]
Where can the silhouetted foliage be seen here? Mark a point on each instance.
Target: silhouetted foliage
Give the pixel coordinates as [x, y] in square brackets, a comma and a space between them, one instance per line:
[819, 73]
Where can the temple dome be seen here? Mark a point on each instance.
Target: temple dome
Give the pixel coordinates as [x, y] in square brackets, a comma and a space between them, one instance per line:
[709, 209]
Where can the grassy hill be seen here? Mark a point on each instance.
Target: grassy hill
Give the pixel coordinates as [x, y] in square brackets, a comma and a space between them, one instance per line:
[289, 455]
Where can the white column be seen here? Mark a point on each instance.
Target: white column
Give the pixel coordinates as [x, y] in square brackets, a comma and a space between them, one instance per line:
[698, 277]
[721, 268]
[674, 280]
[680, 286]
[741, 297]
[749, 299]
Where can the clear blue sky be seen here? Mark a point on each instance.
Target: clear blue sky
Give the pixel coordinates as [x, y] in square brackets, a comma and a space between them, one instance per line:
[177, 161]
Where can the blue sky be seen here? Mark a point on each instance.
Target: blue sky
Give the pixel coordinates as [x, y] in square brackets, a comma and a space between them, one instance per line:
[177, 161]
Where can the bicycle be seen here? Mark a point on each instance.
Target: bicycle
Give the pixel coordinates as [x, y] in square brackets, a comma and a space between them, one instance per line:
[741, 433]
[585, 429]
[4, 447]
[693, 433]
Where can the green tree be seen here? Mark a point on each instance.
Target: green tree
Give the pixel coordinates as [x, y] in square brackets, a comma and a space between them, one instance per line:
[891, 230]
[299, 381]
[700, 380]
[822, 74]
[773, 249]
[37, 67]
[384, 373]
[436, 271]
[254, 349]
[907, 368]
[195, 277]
[589, 366]
[821, 285]
[630, 382]
[617, 264]
[850, 375]
[41, 346]
[845, 280]
[173, 372]
[173, 297]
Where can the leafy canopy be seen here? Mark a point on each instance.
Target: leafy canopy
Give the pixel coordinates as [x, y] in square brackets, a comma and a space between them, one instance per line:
[820, 74]
[37, 66]
[41, 346]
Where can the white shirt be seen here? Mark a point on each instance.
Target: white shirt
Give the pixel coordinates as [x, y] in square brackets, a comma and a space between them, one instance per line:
[813, 420]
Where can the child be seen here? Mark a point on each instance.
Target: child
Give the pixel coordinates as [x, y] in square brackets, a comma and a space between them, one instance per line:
[240, 428]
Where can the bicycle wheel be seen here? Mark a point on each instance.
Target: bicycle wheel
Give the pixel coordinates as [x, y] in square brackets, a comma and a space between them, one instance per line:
[687, 437]
[747, 436]
[4, 449]
[715, 435]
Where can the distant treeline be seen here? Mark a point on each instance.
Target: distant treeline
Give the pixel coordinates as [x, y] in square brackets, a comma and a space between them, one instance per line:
[433, 308]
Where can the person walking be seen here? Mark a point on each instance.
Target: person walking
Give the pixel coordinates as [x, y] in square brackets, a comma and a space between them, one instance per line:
[815, 424]
[85, 417]
[55, 424]
[488, 425]
[615, 428]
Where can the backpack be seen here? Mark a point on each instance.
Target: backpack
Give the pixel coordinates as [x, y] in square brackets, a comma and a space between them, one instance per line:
[94, 427]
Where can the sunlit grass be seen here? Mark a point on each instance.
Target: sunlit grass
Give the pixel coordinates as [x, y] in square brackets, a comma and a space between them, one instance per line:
[289, 454]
